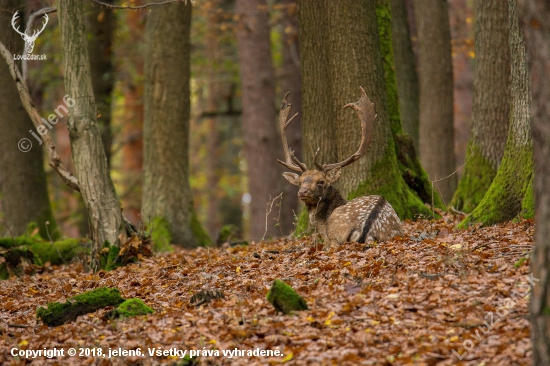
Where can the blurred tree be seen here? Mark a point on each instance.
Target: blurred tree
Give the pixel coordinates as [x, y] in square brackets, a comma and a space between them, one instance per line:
[291, 82]
[535, 25]
[97, 189]
[436, 135]
[166, 190]
[340, 50]
[511, 192]
[100, 26]
[405, 70]
[491, 105]
[262, 143]
[22, 178]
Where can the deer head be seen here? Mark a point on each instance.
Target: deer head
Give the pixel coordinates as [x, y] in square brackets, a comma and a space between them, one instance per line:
[314, 184]
[29, 39]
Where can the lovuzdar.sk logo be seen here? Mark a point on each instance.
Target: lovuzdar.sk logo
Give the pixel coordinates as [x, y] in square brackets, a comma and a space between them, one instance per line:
[29, 39]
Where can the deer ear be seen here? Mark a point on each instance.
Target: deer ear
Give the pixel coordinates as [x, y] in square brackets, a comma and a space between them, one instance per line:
[333, 174]
[292, 178]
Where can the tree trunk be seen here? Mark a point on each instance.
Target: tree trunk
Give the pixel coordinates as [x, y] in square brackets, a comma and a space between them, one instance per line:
[262, 143]
[96, 186]
[534, 19]
[405, 70]
[340, 50]
[166, 190]
[436, 135]
[291, 82]
[100, 23]
[491, 105]
[511, 192]
[22, 178]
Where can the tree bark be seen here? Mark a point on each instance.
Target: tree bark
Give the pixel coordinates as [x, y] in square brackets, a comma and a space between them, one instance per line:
[100, 23]
[436, 135]
[534, 22]
[96, 186]
[405, 70]
[23, 181]
[511, 192]
[166, 190]
[291, 82]
[340, 50]
[491, 104]
[262, 143]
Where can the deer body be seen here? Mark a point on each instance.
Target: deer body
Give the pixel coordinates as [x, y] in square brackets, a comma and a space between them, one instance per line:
[338, 221]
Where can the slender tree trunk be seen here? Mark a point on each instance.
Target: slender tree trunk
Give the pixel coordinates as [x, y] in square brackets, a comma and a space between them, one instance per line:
[291, 82]
[262, 143]
[534, 21]
[22, 178]
[166, 190]
[436, 135]
[100, 23]
[491, 106]
[340, 50]
[511, 192]
[92, 172]
[405, 70]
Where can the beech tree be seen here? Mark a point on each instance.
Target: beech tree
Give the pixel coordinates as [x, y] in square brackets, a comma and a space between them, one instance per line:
[511, 192]
[339, 51]
[166, 190]
[491, 104]
[435, 74]
[22, 178]
[534, 21]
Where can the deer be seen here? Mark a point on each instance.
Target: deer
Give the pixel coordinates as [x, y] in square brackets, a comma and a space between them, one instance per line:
[363, 219]
[29, 39]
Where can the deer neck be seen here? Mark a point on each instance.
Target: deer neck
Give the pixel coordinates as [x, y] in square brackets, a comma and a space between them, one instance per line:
[331, 200]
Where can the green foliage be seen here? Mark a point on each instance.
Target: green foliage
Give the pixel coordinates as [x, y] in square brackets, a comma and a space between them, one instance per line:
[227, 232]
[477, 178]
[284, 298]
[509, 190]
[58, 313]
[130, 308]
[302, 225]
[202, 237]
[109, 257]
[159, 230]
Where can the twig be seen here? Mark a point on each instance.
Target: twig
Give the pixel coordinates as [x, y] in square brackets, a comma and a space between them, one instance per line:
[268, 211]
[136, 7]
[457, 211]
[19, 325]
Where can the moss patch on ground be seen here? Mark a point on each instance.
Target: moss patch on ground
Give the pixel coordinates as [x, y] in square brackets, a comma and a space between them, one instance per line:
[58, 313]
[284, 298]
[129, 308]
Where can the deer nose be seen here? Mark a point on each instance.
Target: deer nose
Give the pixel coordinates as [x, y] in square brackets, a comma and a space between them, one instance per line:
[302, 192]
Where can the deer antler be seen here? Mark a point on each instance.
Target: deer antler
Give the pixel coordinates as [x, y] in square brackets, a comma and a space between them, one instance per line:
[365, 110]
[289, 154]
[13, 22]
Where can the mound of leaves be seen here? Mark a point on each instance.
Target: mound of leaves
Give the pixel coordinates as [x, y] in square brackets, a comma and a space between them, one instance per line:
[436, 296]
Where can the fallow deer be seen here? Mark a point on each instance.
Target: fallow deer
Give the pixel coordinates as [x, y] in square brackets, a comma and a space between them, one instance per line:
[338, 221]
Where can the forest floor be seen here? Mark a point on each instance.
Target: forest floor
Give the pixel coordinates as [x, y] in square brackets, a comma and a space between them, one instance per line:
[437, 296]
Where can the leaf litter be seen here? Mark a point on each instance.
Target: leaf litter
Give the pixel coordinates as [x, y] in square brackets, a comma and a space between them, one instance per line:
[432, 297]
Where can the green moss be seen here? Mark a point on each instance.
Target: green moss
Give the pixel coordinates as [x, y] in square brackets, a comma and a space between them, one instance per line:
[160, 234]
[302, 225]
[384, 180]
[227, 232]
[202, 237]
[130, 308]
[60, 313]
[477, 178]
[528, 203]
[504, 198]
[4, 272]
[284, 298]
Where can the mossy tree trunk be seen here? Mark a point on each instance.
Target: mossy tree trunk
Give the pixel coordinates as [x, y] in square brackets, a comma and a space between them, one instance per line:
[339, 51]
[23, 185]
[435, 73]
[405, 70]
[491, 104]
[534, 20]
[261, 141]
[166, 190]
[98, 192]
[511, 191]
